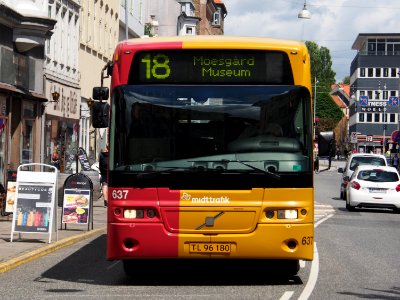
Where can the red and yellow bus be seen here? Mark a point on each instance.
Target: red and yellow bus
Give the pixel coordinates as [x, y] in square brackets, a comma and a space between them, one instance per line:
[211, 150]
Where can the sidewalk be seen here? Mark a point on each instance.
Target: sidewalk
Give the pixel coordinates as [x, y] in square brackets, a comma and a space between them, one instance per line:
[335, 164]
[32, 246]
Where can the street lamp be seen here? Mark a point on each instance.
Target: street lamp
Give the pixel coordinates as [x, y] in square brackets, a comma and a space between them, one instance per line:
[315, 103]
[304, 13]
[384, 119]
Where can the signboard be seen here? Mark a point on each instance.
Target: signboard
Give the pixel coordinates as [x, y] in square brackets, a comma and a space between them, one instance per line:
[83, 159]
[363, 100]
[353, 137]
[77, 201]
[396, 136]
[35, 195]
[394, 101]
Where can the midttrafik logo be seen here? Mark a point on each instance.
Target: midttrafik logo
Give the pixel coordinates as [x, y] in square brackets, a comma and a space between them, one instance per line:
[205, 199]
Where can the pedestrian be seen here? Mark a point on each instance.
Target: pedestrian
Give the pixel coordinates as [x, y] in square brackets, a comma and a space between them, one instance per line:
[395, 162]
[55, 159]
[103, 166]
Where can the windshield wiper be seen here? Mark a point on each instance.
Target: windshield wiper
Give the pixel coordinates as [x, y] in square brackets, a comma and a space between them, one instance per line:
[154, 173]
[270, 174]
[245, 163]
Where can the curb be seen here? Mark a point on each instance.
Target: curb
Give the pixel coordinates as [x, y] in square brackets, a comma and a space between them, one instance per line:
[42, 251]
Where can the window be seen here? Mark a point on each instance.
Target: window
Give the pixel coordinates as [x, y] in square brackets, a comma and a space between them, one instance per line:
[372, 46]
[217, 17]
[385, 72]
[376, 118]
[392, 118]
[361, 117]
[362, 72]
[369, 94]
[369, 118]
[381, 46]
[190, 30]
[377, 94]
[393, 72]
[378, 72]
[370, 72]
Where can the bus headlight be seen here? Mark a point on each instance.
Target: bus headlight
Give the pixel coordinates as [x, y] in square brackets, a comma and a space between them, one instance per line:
[287, 213]
[134, 213]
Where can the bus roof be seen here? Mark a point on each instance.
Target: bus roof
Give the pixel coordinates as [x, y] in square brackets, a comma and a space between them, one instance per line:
[219, 41]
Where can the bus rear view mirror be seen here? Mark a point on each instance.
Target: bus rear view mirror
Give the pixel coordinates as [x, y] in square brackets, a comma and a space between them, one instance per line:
[100, 93]
[326, 144]
[100, 114]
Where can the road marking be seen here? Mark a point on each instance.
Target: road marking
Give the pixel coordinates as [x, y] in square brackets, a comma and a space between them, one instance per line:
[312, 280]
[113, 265]
[286, 295]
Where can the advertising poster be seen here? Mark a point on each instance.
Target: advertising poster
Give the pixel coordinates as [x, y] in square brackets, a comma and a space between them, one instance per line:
[10, 200]
[33, 209]
[76, 206]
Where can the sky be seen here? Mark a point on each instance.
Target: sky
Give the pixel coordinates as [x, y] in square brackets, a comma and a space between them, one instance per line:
[334, 24]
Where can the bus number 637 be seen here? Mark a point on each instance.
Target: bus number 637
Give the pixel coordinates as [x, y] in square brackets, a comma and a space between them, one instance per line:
[119, 194]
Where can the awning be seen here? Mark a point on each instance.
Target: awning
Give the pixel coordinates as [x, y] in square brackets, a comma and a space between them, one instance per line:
[27, 94]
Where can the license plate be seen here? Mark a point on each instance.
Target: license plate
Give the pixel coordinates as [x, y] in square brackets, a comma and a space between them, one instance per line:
[381, 191]
[210, 248]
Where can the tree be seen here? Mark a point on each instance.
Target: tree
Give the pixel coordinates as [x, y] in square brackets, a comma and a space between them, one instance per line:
[321, 64]
[327, 111]
[346, 80]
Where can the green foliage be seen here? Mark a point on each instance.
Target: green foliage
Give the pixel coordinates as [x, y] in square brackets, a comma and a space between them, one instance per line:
[346, 80]
[147, 29]
[321, 64]
[327, 111]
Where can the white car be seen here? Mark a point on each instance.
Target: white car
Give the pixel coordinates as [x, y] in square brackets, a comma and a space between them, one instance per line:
[374, 186]
[355, 160]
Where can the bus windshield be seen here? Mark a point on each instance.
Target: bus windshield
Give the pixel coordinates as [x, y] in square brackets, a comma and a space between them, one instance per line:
[224, 128]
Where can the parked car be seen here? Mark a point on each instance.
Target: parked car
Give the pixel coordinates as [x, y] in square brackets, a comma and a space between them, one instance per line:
[358, 159]
[372, 186]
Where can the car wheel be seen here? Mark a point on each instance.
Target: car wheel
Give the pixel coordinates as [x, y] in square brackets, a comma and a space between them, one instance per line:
[348, 206]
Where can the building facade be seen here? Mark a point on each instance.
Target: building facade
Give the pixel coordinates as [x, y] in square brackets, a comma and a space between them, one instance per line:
[98, 37]
[187, 20]
[61, 115]
[135, 14]
[24, 27]
[374, 90]
[212, 14]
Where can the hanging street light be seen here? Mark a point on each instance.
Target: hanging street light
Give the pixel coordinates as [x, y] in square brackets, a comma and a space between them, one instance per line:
[304, 13]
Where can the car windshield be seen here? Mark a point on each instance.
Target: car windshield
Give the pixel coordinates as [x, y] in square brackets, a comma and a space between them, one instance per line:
[366, 160]
[378, 176]
[237, 128]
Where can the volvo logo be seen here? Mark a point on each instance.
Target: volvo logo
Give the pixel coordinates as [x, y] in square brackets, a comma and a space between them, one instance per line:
[209, 221]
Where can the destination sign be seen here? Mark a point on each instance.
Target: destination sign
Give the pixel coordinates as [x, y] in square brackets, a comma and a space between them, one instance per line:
[211, 66]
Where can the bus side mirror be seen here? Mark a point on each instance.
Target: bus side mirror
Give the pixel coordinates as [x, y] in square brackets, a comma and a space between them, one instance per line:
[100, 93]
[326, 144]
[100, 114]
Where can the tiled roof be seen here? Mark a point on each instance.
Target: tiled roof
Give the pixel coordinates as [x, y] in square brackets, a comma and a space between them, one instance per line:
[338, 101]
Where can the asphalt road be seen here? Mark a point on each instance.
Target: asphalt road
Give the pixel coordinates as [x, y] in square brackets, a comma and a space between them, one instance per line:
[357, 257]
